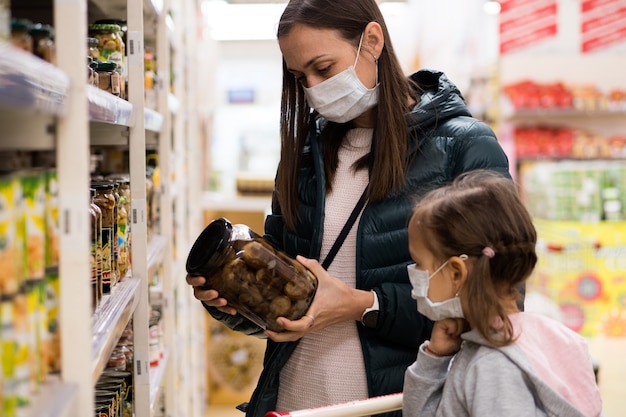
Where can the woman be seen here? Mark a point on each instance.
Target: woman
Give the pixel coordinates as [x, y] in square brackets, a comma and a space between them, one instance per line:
[375, 134]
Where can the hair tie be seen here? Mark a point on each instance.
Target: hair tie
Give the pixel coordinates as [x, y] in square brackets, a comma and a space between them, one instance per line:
[488, 252]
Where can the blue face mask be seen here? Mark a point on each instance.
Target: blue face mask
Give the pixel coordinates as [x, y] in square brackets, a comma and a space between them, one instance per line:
[343, 97]
[420, 279]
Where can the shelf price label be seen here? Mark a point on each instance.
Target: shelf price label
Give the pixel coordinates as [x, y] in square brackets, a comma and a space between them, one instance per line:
[135, 47]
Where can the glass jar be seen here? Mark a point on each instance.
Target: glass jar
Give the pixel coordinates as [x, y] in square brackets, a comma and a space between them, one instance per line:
[96, 250]
[262, 283]
[123, 33]
[43, 43]
[105, 200]
[108, 79]
[115, 266]
[123, 227]
[95, 80]
[92, 48]
[20, 36]
[111, 47]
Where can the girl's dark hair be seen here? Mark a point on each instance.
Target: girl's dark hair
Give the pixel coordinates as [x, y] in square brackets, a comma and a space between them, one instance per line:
[388, 169]
[481, 209]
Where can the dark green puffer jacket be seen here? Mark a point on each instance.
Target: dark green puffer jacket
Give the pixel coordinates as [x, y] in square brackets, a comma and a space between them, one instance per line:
[450, 142]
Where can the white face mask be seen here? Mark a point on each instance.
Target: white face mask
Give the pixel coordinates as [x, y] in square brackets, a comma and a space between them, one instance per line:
[343, 97]
[450, 308]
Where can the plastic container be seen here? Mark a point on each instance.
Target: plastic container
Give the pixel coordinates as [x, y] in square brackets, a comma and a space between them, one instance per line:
[262, 283]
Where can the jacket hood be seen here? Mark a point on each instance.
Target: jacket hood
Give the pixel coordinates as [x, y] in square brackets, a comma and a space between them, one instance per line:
[440, 100]
[552, 402]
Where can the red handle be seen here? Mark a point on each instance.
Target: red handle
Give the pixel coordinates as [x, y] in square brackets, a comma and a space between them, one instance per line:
[365, 407]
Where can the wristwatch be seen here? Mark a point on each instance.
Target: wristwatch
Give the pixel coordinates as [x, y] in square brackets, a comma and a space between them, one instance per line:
[370, 315]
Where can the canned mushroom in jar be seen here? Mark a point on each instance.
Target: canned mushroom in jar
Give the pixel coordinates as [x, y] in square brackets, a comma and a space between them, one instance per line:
[261, 282]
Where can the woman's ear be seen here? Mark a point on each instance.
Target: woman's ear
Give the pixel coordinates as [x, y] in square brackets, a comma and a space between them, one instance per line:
[373, 39]
[459, 271]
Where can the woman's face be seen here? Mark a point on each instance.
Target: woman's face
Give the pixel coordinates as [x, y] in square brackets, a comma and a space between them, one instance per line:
[314, 55]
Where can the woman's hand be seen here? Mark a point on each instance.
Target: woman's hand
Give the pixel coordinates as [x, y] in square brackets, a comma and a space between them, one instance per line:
[209, 297]
[334, 302]
[445, 339]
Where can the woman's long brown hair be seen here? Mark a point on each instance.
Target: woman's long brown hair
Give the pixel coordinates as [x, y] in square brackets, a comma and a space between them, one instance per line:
[388, 162]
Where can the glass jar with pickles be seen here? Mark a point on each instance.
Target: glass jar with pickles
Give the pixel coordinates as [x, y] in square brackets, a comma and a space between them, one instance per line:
[111, 47]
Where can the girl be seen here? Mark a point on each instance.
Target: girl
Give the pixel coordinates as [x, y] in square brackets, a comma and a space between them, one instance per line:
[473, 244]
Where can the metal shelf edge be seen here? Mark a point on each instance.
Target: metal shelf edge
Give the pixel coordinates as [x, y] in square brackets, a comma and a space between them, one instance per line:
[31, 83]
[107, 108]
[156, 253]
[110, 319]
[156, 376]
[55, 399]
[153, 120]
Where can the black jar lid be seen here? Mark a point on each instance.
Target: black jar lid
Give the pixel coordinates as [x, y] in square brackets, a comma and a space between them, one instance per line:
[204, 256]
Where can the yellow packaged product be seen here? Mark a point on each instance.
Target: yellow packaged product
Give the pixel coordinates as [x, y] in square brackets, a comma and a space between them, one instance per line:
[52, 294]
[11, 267]
[51, 218]
[21, 328]
[34, 192]
[8, 400]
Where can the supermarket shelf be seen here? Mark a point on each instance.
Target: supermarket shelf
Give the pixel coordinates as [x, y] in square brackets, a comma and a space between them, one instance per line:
[27, 132]
[30, 83]
[55, 399]
[156, 253]
[153, 120]
[156, 376]
[117, 9]
[173, 103]
[107, 108]
[110, 319]
[549, 114]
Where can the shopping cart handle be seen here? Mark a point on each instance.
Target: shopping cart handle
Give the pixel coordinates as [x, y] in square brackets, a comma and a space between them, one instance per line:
[358, 408]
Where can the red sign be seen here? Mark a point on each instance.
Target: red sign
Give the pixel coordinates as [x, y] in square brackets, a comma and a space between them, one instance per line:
[524, 23]
[603, 23]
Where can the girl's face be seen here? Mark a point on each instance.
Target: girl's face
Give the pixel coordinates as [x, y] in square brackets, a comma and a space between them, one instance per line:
[441, 286]
[314, 55]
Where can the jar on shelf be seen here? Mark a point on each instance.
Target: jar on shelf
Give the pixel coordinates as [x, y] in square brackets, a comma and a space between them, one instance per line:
[262, 283]
[43, 42]
[111, 47]
[105, 200]
[95, 81]
[108, 79]
[92, 48]
[20, 36]
[123, 226]
[95, 215]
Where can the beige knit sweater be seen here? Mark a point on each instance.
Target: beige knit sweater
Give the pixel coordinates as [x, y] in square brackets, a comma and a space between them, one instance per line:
[327, 366]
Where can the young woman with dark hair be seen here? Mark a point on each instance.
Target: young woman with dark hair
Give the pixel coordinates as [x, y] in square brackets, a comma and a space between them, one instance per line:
[361, 142]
